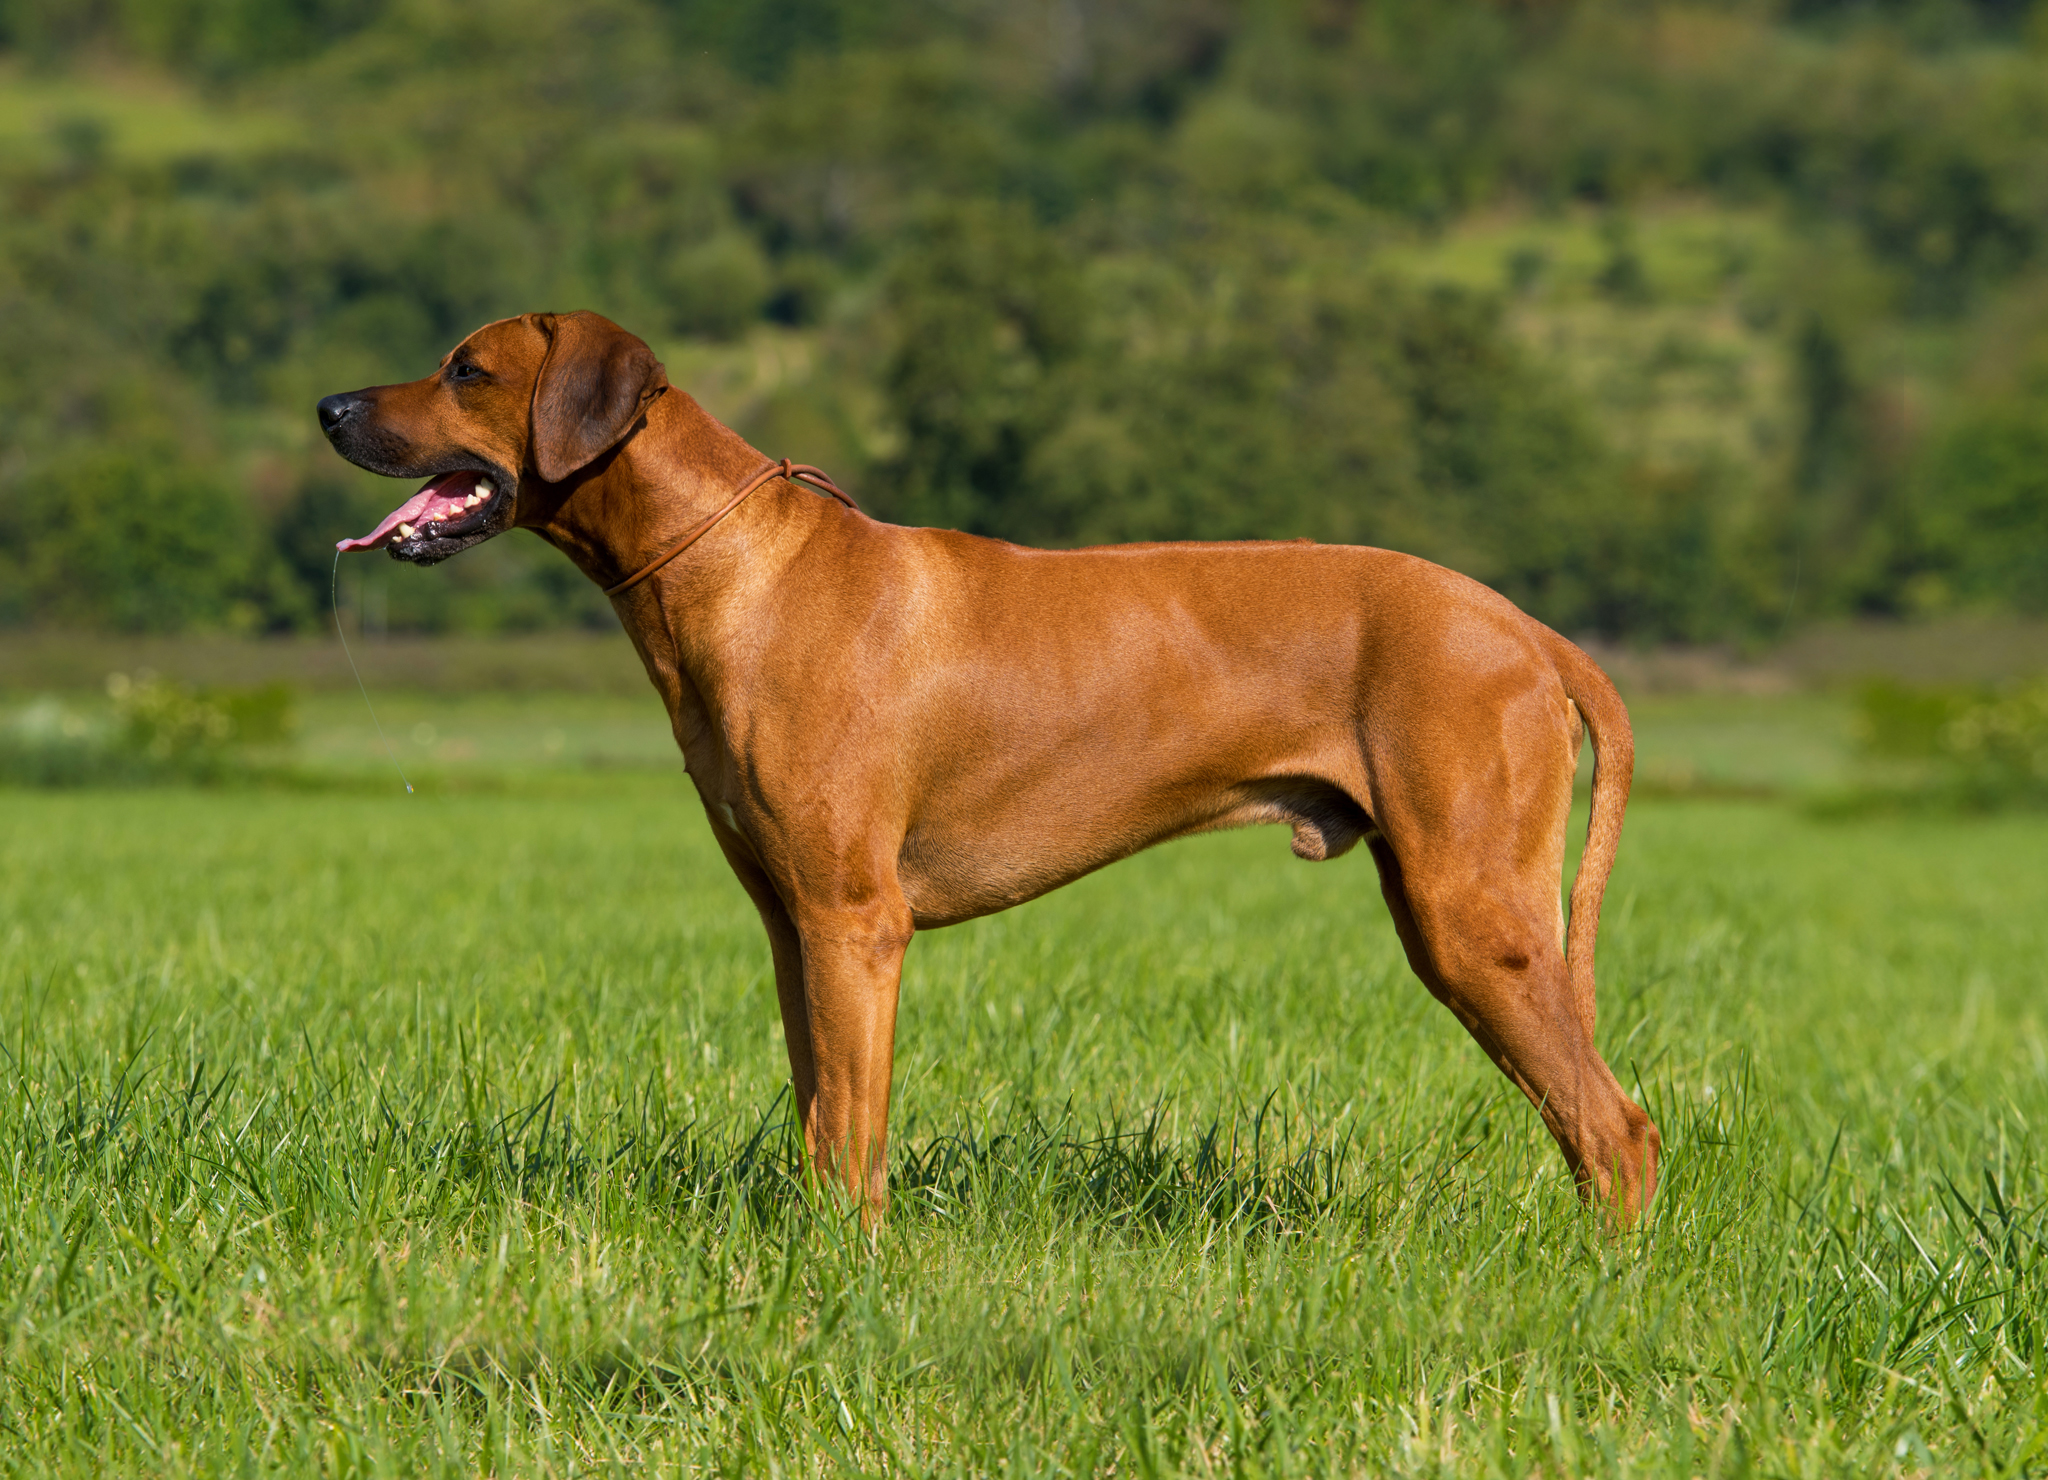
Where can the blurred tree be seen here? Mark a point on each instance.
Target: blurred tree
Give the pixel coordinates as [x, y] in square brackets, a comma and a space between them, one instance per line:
[758, 38]
[136, 540]
[987, 311]
[1983, 507]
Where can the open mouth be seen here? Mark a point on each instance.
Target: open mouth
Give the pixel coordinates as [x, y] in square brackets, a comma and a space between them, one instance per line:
[450, 506]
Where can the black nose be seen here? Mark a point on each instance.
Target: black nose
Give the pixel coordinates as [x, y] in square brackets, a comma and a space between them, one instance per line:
[334, 410]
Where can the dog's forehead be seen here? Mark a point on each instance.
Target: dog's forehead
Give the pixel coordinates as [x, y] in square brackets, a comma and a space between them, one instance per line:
[499, 334]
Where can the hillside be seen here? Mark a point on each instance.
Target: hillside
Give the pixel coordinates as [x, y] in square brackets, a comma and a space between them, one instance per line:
[1686, 321]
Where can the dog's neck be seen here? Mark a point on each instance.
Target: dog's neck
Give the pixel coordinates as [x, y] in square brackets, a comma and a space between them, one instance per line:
[621, 509]
[671, 472]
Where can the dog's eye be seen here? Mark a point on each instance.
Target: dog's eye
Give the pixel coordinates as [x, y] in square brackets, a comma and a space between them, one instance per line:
[464, 371]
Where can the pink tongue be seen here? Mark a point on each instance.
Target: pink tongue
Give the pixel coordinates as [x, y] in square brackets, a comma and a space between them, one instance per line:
[442, 497]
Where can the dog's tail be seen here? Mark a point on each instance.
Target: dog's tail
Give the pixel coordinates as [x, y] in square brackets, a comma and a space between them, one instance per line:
[1614, 764]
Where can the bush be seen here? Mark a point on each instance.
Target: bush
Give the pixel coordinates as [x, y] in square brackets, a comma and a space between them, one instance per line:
[135, 539]
[156, 731]
[1982, 748]
[1983, 508]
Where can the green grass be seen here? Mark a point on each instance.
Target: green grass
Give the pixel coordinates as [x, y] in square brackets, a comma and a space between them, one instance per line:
[500, 736]
[1790, 744]
[351, 1135]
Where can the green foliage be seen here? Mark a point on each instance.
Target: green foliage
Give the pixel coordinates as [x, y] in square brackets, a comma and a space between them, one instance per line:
[1237, 389]
[220, 38]
[1984, 508]
[1896, 721]
[174, 722]
[134, 538]
[1974, 748]
[758, 39]
[158, 731]
[988, 326]
[1086, 272]
[50, 743]
[442, 1136]
[718, 285]
[2000, 741]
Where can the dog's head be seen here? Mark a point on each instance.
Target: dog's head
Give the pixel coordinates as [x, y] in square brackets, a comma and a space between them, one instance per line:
[525, 399]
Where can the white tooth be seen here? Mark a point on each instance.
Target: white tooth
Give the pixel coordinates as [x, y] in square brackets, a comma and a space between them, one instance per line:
[405, 531]
[483, 490]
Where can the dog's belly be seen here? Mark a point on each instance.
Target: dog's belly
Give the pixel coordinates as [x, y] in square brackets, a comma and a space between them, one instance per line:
[947, 880]
[996, 849]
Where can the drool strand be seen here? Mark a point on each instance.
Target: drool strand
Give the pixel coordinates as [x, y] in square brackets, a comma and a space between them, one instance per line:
[334, 596]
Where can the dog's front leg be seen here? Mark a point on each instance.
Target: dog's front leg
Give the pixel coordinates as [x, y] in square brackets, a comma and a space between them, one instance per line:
[786, 947]
[852, 968]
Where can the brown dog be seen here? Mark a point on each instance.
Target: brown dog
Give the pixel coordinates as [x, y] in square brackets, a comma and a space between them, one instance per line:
[894, 729]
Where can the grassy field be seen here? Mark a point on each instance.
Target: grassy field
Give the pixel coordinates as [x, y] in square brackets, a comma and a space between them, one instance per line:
[357, 1135]
[472, 712]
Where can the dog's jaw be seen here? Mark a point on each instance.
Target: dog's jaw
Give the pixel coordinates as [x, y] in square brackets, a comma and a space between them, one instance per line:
[432, 540]
[459, 506]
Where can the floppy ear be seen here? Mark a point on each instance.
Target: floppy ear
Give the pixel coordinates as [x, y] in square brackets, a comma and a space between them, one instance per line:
[594, 383]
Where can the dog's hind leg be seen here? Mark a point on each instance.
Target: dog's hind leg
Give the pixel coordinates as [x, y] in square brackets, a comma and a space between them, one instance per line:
[1471, 790]
[1495, 961]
